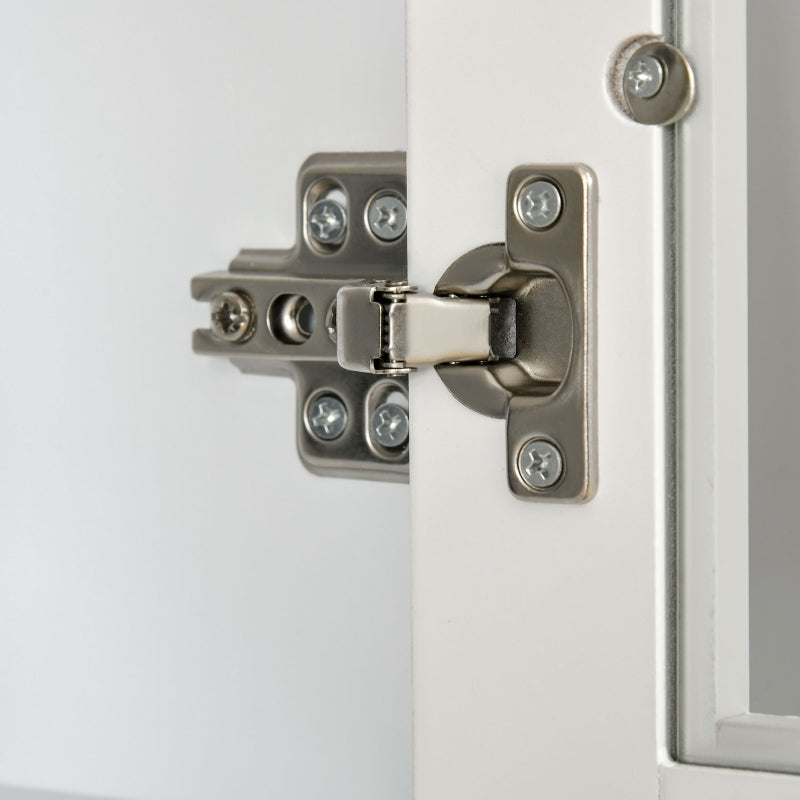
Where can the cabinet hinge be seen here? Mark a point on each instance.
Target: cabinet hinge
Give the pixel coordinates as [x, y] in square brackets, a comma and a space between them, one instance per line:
[509, 327]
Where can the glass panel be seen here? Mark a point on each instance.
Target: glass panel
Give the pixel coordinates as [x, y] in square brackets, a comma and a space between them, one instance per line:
[774, 344]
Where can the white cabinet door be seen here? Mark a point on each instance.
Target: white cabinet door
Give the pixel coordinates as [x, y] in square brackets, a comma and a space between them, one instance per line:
[545, 635]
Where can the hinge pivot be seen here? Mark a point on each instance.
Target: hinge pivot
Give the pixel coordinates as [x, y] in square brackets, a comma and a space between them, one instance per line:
[392, 329]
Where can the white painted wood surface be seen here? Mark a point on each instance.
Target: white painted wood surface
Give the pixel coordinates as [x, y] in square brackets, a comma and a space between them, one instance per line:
[679, 782]
[170, 628]
[539, 638]
[537, 633]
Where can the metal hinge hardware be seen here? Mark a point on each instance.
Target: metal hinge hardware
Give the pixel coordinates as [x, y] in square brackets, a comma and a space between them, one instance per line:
[392, 329]
[509, 327]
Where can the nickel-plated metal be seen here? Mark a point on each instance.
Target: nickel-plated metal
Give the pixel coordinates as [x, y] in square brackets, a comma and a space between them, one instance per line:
[326, 417]
[327, 221]
[644, 77]
[386, 216]
[389, 425]
[231, 316]
[540, 464]
[360, 327]
[394, 329]
[291, 318]
[299, 338]
[653, 82]
[539, 204]
[428, 329]
[547, 390]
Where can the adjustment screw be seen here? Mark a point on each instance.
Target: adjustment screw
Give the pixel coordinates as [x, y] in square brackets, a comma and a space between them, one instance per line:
[644, 76]
[539, 204]
[386, 216]
[326, 417]
[231, 316]
[389, 425]
[540, 463]
[327, 221]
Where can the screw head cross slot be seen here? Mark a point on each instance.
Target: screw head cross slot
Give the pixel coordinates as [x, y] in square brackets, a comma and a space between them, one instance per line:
[390, 425]
[327, 417]
[386, 216]
[539, 204]
[231, 317]
[644, 76]
[327, 221]
[652, 82]
[540, 463]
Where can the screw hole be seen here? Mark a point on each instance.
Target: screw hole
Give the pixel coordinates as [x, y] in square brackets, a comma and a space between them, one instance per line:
[385, 216]
[386, 420]
[326, 416]
[291, 318]
[326, 215]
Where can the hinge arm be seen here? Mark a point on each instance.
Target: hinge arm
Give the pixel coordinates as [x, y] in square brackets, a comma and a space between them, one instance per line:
[393, 329]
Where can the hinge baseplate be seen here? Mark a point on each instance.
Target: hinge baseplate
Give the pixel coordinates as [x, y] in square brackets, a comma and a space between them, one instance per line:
[292, 297]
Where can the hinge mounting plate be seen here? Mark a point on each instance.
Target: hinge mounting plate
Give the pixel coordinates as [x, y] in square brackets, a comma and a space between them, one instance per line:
[292, 295]
[547, 391]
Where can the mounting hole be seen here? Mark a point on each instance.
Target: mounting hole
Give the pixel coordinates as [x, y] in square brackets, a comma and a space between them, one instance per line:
[326, 211]
[291, 318]
[325, 416]
[386, 421]
[385, 216]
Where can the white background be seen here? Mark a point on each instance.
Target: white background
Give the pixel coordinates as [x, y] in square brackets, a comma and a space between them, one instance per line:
[184, 612]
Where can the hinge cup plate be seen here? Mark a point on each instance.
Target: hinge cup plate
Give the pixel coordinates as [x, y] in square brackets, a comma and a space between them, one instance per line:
[547, 392]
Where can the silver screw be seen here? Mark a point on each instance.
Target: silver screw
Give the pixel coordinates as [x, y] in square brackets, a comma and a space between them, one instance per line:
[540, 463]
[327, 417]
[327, 221]
[386, 215]
[644, 76]
[231, 316]
[330, 322]
[390, 425]
[539, 204]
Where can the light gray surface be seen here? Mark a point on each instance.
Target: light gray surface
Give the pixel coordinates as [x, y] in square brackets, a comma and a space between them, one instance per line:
[17, 793]
[171, 627]
[774, 288]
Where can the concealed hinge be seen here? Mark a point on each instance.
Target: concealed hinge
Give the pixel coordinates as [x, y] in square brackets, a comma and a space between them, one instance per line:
[509, 327]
